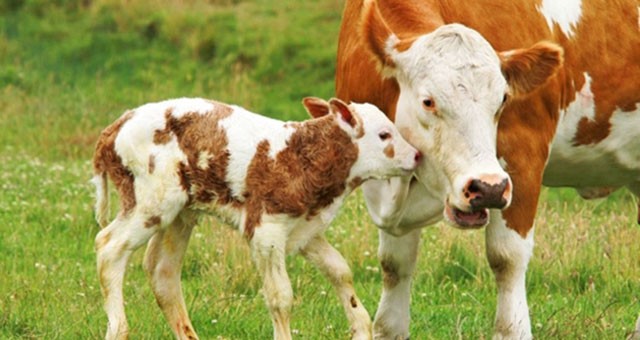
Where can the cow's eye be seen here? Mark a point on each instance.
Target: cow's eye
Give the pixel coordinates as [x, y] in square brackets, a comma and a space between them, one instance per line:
[505, 98]
[429, 104]
[384, 135]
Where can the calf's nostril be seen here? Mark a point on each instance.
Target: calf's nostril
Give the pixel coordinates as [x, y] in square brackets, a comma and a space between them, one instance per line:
[418, 156]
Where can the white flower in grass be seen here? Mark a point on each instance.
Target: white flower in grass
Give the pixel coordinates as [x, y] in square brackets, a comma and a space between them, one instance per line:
[372, 269]
[295, 331]
[214, 321]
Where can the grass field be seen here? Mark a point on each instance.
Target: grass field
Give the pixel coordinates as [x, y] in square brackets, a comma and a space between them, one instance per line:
[68, 68]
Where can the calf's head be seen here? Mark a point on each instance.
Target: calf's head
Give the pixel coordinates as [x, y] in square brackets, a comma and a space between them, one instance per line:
[453, 87]
[382, 151]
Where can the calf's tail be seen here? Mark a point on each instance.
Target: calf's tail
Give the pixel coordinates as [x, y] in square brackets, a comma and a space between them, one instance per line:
[102, 198]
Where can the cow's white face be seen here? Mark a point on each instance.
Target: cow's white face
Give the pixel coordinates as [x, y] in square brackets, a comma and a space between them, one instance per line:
[453, 85]
[451, 94]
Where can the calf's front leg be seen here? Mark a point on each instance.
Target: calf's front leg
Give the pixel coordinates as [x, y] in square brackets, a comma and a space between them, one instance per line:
[334, 267]
[268, 252]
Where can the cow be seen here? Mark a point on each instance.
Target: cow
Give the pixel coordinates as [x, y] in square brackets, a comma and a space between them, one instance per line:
[280, 183]
[501, 97]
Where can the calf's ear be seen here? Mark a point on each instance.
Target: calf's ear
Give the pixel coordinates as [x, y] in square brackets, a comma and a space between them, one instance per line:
[316, 107]
[344, 112]
[529, 68]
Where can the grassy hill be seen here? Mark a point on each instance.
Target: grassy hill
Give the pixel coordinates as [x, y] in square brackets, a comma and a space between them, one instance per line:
[70, 67]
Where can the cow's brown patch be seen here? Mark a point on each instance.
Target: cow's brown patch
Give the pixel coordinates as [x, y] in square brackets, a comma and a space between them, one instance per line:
[615, 75]
[354, 303]
[152, 164]
[304, 177]
[152, 221]
[106, 160]
[390, 273]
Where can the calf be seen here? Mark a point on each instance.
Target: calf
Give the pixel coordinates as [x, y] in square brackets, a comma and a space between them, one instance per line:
[279, 183]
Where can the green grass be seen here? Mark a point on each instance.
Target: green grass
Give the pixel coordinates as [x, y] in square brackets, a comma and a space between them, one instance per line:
[68, 68]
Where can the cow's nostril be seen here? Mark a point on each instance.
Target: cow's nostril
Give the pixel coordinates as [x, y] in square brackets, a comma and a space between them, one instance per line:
[474, 187]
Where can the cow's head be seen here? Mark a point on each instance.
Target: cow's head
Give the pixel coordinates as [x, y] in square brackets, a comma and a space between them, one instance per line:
[453, 87]
[382, 151]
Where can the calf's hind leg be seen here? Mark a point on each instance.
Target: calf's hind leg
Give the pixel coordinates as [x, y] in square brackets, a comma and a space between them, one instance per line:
[163, 264]
[334, 267]
[114, 246]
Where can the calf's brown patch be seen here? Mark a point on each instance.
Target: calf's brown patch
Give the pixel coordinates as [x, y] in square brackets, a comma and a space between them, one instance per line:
[389, 151]
[196, 133]
[106, 160]
[304, 177]
[152, 163]
[152, 221]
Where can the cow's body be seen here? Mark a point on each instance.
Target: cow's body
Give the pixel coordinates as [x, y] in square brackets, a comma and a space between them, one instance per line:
[280, 183]
[584, 121]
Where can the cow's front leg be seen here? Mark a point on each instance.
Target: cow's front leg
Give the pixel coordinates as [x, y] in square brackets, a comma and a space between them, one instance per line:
[508, 253]
[334, 267]
[397, 257]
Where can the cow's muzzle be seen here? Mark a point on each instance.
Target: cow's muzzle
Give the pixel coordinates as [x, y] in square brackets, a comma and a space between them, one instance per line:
[478, 196]
[482, 194]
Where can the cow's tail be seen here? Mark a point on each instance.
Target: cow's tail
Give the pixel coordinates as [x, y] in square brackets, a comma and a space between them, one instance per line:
[102, 198]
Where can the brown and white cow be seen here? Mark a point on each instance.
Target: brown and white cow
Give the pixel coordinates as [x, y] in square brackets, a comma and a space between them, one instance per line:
[280, 183]
[547, 90]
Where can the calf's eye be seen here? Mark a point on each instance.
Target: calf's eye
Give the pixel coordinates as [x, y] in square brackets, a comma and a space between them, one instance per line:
[384, 135]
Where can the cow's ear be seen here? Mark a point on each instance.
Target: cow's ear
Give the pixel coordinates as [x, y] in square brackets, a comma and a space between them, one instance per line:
[527, 69]
[316, 107]
[379, 39]
[345, 113]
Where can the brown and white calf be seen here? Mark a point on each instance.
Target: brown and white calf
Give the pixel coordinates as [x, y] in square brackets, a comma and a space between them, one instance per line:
[280, 183]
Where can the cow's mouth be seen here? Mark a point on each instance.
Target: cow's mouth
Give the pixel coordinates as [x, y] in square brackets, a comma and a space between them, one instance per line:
[466, 220]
